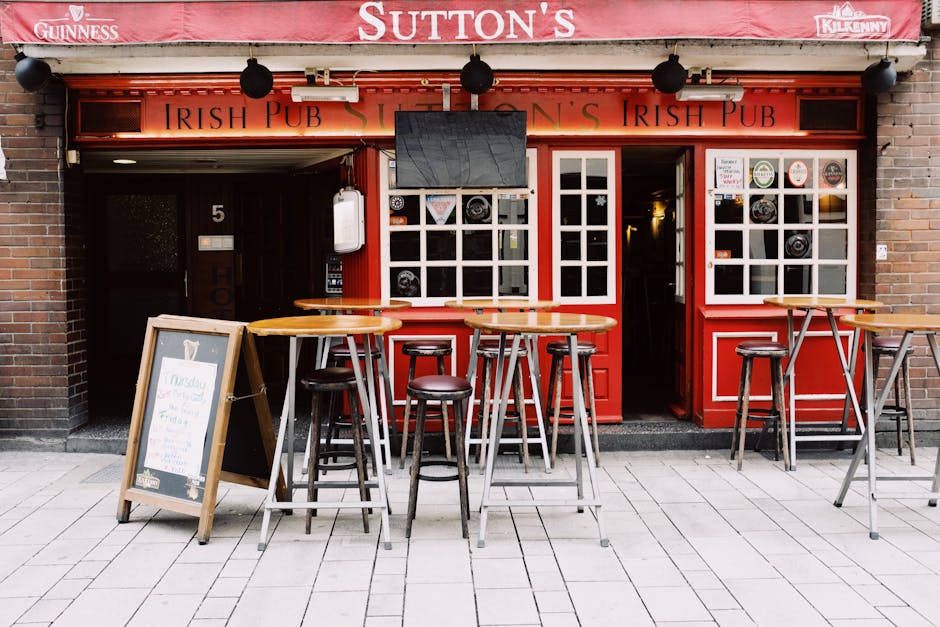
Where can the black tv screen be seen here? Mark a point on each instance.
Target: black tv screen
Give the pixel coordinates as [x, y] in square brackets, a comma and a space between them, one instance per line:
[447, 149]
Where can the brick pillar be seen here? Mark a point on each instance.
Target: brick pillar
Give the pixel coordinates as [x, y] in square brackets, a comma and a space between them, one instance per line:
[42, 352]
[907, 209]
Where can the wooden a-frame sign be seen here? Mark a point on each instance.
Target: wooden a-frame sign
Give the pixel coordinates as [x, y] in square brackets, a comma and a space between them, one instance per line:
[188, 428]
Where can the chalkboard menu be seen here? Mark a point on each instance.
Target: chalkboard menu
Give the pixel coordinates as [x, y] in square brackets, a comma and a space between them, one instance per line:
[183, 418]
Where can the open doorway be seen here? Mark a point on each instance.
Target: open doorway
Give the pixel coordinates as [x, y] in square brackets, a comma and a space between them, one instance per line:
[652, 319]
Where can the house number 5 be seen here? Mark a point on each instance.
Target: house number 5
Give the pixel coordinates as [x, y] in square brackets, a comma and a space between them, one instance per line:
[217, 214]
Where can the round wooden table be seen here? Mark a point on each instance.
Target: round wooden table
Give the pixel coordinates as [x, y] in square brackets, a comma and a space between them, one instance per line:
[334, 305]
[910, 325]
[809, 305]
[296, 328]
[532, 358]
[536, 324]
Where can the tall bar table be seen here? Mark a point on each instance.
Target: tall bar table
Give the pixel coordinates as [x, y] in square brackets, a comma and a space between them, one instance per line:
[535, 324]
[808, 305]
[297, 328]
[478, 305]
[910, 325]
[337, 305]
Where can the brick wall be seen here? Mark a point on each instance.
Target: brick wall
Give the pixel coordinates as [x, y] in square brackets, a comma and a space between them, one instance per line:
[907, 210]
[42, 386]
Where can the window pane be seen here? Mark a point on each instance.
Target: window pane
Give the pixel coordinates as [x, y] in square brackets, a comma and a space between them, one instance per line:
[832, 279]
[597, 281]
[597, 209]
[404, 210]
[442, 281]
[729, 245]
[833, 209]
[798, 279]
[762, 173]
[798, 209]
[833, 174]
[596, 246]
[797, 244]
[596, 173]
[763, 245]
[405, 281]
[571, 281]
[477, 210]
[477, 281]
[570, 210]
[833, 244]
[729, 209]
[570, 173]
[478, 245]
[799, 173]
[513, 210]
[571, 245]
[404, 245]
[440, 208]
[763, 209]
[729, 279]
[513, 281]
[442, 245]
[513, 245]
[763, 280]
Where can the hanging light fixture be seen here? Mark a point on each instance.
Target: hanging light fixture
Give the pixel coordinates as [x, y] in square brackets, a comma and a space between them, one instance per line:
[880, 76]
[669, 76]
[256, 80]
[32, 74]
[476, 76]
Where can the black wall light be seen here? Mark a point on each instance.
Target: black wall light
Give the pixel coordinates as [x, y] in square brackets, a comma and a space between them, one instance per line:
[256, 80]
[476, 76]
[32, 74]
[880, 76]
[669, 76]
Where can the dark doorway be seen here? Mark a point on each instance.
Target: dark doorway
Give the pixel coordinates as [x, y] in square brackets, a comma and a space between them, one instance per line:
[648, 188]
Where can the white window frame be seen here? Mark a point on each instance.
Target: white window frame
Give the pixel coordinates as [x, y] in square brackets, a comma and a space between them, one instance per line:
[818, 157]
[611, 228]
[531, 229]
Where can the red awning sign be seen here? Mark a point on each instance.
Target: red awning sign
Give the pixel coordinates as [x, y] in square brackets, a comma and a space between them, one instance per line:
[455, 21]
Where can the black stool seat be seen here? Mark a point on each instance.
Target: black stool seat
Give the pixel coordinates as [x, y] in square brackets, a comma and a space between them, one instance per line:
[885, 344]
[332, 382]
[490, 348]
[560, 347]
[427, 348]
[775, 414]
[441, 388]
[340, 352]
[761, 348]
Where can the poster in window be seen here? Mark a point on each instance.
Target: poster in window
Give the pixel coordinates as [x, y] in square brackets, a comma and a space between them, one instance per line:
[729, 173]
[440, 207]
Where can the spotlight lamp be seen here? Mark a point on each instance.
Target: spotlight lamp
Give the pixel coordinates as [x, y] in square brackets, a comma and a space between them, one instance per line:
[32, 74]
[669, 76]
[256, 80]
[476, 76]
[879, 77]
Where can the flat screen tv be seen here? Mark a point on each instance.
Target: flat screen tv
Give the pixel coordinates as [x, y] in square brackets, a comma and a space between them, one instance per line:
[453, 149]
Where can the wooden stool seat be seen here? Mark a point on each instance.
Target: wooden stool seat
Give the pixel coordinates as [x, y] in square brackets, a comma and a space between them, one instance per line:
[333, 382]
[424, 348]
[559, 350]
[442, 389]
[774, 415]
[889, 345]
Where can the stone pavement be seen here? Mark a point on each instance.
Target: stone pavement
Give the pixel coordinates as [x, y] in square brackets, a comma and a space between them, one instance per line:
[692, 541]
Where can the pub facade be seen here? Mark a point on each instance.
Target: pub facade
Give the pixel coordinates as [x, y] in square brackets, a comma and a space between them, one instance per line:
[147, 177]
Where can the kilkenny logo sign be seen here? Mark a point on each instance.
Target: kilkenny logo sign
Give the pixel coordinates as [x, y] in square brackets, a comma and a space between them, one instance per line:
[847, 23]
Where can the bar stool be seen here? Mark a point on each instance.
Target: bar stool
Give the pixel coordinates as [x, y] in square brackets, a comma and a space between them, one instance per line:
[488, 351]
[332, 383]
[889, 345]
[441, 389]
[559, 350]
[776, 413]
[424, 348]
